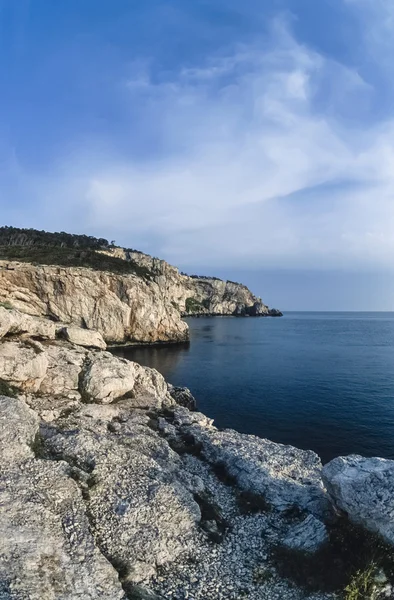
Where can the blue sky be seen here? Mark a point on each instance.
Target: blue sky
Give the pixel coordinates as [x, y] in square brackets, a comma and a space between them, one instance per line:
[250, 139]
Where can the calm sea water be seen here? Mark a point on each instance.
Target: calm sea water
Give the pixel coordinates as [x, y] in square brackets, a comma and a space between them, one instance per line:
[323, 381]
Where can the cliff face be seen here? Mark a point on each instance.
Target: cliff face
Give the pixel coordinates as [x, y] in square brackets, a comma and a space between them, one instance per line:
[128, 296]
[123, 308]
[195, 295]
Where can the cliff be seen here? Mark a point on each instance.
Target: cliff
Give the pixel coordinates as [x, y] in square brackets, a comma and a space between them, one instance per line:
[128, 296]
[111, 488]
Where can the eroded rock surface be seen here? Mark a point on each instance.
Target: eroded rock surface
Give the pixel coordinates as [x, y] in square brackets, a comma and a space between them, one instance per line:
[363, 488]
[83, 337]
[23, 365]
[14, 322]
[111, 489]
[285, 476]
[122, 308]
[46, 547]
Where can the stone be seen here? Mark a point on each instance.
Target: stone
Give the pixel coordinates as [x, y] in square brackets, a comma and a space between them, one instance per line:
[64, 366]
[83, 337]
[364, 489]
[150, 388]
[23, 365]
[46, 546]
[13, 322]
[182, 396]
[18, 430]
[307, 536]
[106, 377]
[138, 501]
[285, 476]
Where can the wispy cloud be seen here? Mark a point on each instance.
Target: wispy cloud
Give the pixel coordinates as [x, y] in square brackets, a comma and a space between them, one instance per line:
[254, 161]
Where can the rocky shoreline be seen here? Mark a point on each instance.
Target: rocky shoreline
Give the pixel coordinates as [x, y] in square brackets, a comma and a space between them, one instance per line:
[113, 486]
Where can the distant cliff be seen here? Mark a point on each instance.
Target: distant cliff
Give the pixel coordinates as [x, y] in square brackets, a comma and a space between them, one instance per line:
[128, 296]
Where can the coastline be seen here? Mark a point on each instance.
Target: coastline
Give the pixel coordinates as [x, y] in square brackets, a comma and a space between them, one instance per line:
[168, 505]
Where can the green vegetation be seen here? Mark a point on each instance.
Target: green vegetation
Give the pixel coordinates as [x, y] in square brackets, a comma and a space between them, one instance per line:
[15, 236]
[347, 564]
[362, 584]
[8, 390]
[202, 277]
[193, 305]
[71, 257]
[6, 305]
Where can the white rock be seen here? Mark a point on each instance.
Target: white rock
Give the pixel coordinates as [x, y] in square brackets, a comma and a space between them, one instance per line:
[23, 365]
[17, 323]
[46, 547]
[364, 489]
[83, 337]
[149, 383]
[284, 475]
[306, 536]
[64, 366]
[18, 429]
[107, 377]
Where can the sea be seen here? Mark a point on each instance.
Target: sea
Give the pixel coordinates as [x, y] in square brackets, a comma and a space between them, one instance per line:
[320, 381]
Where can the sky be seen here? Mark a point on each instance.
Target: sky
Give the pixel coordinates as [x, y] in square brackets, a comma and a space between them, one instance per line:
[247, 140]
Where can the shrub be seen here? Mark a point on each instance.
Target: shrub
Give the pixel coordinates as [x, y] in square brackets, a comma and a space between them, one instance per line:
[70, 257]
[362, 584]
[6, 305]
[8, 390]
[347, 563]
[193, 305]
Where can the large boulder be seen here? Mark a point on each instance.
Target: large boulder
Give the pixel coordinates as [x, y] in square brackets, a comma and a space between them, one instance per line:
[106, 377]
[64, 366]
[364, 489]
[182, 396]
[150, 389]
[17, 323]
[83, 337]
[23, 365]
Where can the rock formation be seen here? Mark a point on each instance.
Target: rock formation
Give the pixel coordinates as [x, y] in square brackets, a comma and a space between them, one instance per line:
[112, 488]
[363, 489]
[126, 296]
[109, 486]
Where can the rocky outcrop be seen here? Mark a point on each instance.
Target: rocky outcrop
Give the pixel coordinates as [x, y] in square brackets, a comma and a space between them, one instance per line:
[110, 489]
[284, 476]
[83, 337]
[182, 396]
[197, 296]
[124, 295]
[122, 308]
[363, 488]
[13, 322]
[23, 364]
[46, 546]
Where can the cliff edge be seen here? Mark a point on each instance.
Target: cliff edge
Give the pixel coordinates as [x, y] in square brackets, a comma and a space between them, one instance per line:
[128, 296]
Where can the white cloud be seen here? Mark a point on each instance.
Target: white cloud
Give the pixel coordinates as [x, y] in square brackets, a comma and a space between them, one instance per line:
[255, 167]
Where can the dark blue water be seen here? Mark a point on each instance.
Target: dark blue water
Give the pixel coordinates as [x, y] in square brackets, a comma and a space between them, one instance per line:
[323, 381]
